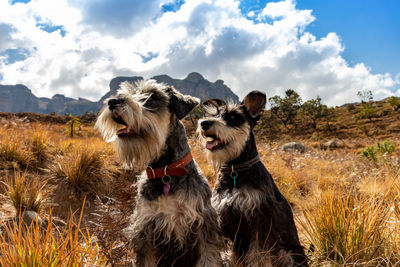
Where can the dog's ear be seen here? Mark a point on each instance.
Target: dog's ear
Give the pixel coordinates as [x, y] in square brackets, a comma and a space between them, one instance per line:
[181, 104]
[213, 106]
[254, 104]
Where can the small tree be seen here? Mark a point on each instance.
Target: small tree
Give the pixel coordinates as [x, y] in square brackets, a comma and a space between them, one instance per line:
[365, 96]
[330, 117]
[286, 109]
[394, 102]
[367, 111]
[72, 124]
[314, 110]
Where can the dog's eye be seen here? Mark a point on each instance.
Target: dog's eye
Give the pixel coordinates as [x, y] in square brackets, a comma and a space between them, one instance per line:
[230, 117]
[233, 119]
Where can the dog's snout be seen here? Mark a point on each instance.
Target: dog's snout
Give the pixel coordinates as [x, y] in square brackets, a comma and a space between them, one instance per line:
[114, 102]
[205, 125]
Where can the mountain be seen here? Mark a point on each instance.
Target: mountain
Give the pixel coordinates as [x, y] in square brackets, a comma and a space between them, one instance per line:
[194, 84]
[19, 98]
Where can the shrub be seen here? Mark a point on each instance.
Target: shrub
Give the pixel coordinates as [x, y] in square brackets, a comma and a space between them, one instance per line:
[369, 153]
[367, 111]
[380, 150]
[394, 102]
[364, 129]
[387, 147]
[351, 107]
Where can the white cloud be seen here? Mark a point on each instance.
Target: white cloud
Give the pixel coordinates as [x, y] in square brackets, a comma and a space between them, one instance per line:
[104, 40]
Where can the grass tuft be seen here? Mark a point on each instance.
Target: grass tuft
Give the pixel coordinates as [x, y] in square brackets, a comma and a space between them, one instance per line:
[82, 169]
[39, 147]
[11, 150]
[348, 228]
[24, 193]
[22, 245]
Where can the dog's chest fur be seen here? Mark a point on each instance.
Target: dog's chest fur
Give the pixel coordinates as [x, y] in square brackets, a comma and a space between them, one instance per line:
[176, 215]
[244, 200]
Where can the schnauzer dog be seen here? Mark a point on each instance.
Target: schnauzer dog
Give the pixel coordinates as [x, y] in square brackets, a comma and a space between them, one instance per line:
[174, 223]
[254, 215]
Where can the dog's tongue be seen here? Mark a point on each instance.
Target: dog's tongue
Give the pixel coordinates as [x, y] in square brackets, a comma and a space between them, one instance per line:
[125, 131]
[211, 144]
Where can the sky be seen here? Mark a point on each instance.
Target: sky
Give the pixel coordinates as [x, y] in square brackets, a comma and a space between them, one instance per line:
[331, 49]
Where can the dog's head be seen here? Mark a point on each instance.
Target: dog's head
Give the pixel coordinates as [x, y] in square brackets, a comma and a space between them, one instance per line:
[227, 126]
[138, 118]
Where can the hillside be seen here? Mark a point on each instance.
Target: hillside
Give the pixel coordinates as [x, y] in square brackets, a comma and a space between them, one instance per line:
[341, 125]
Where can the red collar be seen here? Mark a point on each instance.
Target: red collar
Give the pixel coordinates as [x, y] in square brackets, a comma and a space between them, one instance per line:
[175, 169]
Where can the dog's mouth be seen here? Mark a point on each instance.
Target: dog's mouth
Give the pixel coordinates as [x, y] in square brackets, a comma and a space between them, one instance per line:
[213, 142]
[124, 132]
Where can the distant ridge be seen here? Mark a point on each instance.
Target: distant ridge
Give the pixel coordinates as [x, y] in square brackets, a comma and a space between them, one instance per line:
[19, 98]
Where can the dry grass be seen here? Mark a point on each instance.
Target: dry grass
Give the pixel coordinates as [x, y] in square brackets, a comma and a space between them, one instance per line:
[24, 193]
[82, 167]
[39, 146]
[347, 206]
[12, 150]
[348, 228]
[22, 245]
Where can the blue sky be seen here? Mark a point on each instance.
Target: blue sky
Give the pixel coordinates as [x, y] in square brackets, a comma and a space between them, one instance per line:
[327, 48]
[369, 29]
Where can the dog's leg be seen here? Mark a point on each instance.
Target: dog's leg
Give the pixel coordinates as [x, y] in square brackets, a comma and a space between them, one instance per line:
[209, 255]
[145, 254]
[210, 239]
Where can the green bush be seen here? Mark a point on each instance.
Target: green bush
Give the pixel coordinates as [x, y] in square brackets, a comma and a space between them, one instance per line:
[387, 147]
[369, 153]
[381, 150]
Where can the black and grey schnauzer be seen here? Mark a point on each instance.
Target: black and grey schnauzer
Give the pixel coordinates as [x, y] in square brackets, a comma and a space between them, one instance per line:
[174, 223]
[254, 215]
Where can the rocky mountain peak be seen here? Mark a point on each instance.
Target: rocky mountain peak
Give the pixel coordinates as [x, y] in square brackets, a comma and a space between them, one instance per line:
[194, 77]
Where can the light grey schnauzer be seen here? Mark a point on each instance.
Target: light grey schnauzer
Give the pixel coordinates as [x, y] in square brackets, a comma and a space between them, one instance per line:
[173, 223]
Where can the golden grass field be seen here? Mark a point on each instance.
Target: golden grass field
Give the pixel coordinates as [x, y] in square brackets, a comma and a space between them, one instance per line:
[346, 206]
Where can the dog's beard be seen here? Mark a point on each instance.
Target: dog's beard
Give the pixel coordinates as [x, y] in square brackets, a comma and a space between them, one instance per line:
[151, 128]
[234, 140]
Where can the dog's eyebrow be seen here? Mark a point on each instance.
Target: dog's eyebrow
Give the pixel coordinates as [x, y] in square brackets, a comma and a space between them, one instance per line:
[142, 97]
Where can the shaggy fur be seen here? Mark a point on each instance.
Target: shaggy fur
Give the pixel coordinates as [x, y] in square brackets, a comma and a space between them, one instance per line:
[254, 215]
[178, 229]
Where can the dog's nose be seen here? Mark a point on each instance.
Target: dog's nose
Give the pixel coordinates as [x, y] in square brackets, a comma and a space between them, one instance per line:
[113, 103]
[205, 125]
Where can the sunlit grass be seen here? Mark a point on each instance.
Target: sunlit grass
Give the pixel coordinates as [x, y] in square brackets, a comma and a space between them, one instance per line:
[348, 228]
[22, 245]
[347, 206]
[25, 193]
